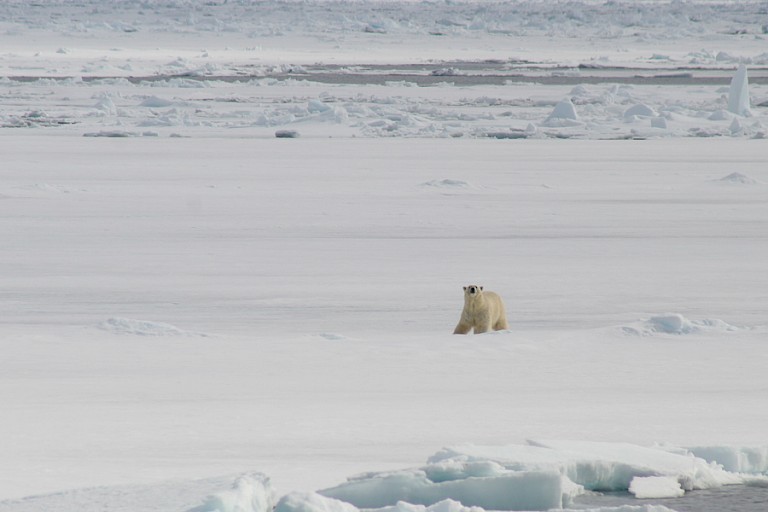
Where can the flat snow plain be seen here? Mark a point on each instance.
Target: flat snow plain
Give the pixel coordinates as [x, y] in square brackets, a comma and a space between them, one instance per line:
[181, 309]
[188, 298]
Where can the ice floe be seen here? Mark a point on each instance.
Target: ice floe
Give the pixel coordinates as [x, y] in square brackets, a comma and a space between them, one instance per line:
[549, 474]
[504, 490]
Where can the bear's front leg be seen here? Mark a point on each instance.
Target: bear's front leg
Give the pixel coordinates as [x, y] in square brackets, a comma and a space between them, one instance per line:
[462, 328]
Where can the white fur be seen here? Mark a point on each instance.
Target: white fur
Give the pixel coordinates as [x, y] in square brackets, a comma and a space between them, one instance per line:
[482, 312]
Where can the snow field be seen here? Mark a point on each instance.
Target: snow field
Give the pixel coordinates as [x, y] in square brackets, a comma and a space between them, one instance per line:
[326, 276]
[235, 235]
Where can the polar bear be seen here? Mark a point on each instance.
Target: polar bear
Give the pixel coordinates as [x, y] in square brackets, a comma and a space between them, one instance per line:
[483, 311]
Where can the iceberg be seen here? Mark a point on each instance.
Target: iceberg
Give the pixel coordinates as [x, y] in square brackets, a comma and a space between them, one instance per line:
[738, 94]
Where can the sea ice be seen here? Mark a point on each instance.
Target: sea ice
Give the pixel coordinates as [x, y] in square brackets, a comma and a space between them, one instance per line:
[655, 487]
[537, 476]
[251, 492]
[737, 459]
[312, 502]
[738, 95]
[639, 110]
[597, 466]
[156, 102]
[510, 490]
[564, 114]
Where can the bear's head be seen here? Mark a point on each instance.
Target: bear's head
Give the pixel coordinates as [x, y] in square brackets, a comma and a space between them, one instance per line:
[472, 290]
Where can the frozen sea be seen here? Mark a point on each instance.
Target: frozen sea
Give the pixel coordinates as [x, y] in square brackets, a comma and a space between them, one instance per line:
[236, 235]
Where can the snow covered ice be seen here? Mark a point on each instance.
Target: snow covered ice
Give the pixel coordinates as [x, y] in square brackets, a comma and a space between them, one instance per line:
[235, 235]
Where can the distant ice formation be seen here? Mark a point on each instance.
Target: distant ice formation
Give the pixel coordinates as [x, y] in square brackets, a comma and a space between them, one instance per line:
[564, 114]
[738, 94]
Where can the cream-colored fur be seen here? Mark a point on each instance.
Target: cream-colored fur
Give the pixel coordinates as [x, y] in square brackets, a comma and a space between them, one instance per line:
[482, 312]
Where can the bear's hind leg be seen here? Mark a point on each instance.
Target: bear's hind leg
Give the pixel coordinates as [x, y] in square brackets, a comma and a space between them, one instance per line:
[501, 323]
[480, 329]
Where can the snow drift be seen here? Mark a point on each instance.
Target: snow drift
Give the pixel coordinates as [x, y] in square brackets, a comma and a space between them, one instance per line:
[130, 326]
[675, 323]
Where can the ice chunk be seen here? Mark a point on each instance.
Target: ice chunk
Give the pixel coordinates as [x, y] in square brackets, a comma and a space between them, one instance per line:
[735, 127]
[738, 94]
[639, 110]
[655, 487]
[516, 490]
[598, 466]
[311, 502]
[107, 106]
[564, 114]
[672, 323]
[719, 115]
[315, 106]
[155, 102]
[251, 492]
[659, 122]
[743, 459]
[455, 470]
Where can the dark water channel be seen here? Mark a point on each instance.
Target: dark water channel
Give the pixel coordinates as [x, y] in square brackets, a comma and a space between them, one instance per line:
[730, 498]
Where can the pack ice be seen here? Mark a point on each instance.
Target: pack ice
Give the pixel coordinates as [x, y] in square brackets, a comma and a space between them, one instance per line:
[539, 475]
[543, 475]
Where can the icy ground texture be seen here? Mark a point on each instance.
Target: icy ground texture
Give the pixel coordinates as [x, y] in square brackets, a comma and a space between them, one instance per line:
[192, 53]
[326, 275]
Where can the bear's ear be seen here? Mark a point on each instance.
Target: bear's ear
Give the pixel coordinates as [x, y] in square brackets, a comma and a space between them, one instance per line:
[481, 288]
[465, 288]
